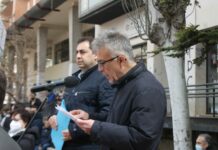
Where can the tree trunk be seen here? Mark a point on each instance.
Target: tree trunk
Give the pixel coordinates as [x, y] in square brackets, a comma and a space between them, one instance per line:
[164, 36]
[179, 102]
[19, 76]
[10, 75]
[25, 66]
[162, 20]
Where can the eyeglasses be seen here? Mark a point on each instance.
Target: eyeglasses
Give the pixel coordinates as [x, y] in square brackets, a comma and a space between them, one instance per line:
[102, 62]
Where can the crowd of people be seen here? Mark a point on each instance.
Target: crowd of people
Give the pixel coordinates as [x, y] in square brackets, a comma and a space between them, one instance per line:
[118, 104]
[15, 120]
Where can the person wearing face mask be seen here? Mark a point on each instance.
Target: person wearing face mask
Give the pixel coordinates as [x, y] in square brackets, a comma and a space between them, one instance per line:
[6, 142]
[18, 126]
[204, 142]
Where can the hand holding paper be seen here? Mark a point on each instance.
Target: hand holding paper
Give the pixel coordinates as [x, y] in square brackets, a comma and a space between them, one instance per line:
[85, 125]
[64, 111]
[78, 113]
[63, 122]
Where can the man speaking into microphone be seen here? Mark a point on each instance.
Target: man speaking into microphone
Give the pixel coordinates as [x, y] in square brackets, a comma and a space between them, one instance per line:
[93, 94]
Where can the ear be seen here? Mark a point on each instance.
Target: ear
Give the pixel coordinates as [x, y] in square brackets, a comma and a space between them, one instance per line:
[122, 58]
[206, 145]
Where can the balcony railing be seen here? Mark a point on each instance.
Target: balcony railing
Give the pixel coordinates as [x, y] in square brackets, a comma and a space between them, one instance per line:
[204, 93]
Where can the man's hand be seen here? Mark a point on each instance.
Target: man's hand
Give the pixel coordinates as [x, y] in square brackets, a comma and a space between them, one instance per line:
[66, 135]
[53, 122]
[85, 125]
[80, 114]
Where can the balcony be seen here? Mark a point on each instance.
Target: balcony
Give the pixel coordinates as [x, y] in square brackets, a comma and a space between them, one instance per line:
[99, 11]
[4, 4]
[205, 118]
[5, 1]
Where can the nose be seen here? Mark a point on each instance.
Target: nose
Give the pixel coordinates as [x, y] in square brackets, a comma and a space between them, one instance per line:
[78, 55]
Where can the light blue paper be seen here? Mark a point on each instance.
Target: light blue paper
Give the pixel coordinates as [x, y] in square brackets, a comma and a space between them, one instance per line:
[63, 122]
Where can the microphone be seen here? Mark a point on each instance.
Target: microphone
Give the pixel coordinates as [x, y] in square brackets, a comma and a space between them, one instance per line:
[68, 82]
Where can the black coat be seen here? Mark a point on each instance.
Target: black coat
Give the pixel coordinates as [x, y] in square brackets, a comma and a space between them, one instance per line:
[93, 94]
[137, 113]
[28, 141]
[6, 142]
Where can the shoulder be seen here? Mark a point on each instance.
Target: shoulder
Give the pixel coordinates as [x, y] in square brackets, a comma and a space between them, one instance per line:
[7, 142]
[146, 80]
[97, 75]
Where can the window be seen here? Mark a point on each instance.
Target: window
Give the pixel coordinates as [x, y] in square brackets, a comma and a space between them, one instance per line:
[62, 52]
[139, 52]
[49, 61]
[212, 77]
[86, 5]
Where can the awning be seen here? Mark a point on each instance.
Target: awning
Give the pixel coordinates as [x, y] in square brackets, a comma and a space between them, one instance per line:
[36, 13]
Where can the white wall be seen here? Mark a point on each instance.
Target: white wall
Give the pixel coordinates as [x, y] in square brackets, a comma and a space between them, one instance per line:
[57, 72]
[205, 16]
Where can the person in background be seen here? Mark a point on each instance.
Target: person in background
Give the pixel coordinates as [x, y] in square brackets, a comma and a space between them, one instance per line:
[6, 120]
[93, 94]
[6, 142]
[45, 139]
[205, 142]
[61, 94]
[136, 117]
[18, 126]
[58, 99]
[34, 103]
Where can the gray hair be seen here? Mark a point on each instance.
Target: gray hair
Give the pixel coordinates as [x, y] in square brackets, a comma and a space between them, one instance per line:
[207, 137]
[115, 42]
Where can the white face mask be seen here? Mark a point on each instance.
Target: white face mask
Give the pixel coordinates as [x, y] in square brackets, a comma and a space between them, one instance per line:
[198, 147]
[15, 127]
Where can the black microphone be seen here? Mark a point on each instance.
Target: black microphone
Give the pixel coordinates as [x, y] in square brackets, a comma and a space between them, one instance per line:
[68, 82]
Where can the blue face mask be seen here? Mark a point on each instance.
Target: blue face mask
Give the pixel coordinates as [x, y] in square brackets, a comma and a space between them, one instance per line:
[198, 147]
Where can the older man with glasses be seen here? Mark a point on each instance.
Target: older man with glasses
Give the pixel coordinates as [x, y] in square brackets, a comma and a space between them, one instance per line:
[135, 120]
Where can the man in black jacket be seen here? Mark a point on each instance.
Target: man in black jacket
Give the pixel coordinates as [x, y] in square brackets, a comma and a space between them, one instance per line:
[93, 95]
[137, 113]
[6, 142]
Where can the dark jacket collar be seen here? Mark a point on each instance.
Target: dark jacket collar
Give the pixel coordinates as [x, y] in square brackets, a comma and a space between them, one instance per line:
[87, 73]
[131, 74]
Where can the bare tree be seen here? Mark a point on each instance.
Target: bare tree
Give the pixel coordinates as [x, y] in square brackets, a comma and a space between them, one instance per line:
[15, 64]
[159, 21]
[10, 61]
[2, 85]
[19, 44]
